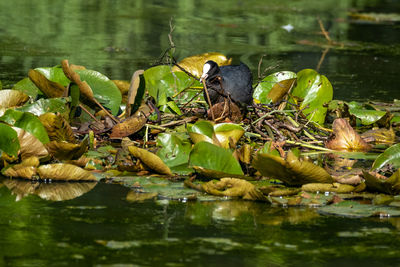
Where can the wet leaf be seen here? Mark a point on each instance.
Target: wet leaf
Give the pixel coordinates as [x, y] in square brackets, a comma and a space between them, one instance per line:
[132, 124]
[344, 138]
[291, 170]
[201, 131]
[367, 116]
[12, 98]
[26, 169]
[151, 160]
[175, 150]
[93, 84]
[233, 187]
[41, 106]
[263, 89]
[9, 142]
[30, 145]
[26, 121]
[27, 87]
[48, 87]
[64, 172]
[227, 133]
[212, 157]
[357, 210]
[390, 185]
[134, 196]
[389, 156]
[194, 64]
[315, 91]
[335, 187]
[57, 127]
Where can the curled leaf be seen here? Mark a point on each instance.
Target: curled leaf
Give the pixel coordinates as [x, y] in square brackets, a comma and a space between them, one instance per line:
[389, 185]
[64, 172]
[12, 98]
[57, 127]
[48, 87]
[291, 170]
[30, 145]
[344, 138]
[151, 160]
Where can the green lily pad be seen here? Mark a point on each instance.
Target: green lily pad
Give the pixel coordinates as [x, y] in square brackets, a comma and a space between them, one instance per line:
[263, 88]
[357, 210]
[9, 140]
[41, 106]
[175, 150]
[28, 87]
[54, 74]
[26, 121]
[212, 157]
[367, 116]
[104, 90]
[389, 156]
[315, 90]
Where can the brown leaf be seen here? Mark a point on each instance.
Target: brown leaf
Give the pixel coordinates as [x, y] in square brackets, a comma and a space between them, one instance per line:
[291, 170]
[12, 98]
[64, 172]
[344, 138]
[151, 160]
[280, 89]
[49, 88]
[132, 124]
[58, 129]
[84, 87]
[380, 136]
[30, 145]
[67, 151]
[133, 87]
[389, 185]
[134, 196]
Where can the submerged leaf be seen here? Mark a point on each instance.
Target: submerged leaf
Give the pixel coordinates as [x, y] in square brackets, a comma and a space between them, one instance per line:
[151, 160]
[357, 210]
[64, 172]
[344, 138]
[291, 170]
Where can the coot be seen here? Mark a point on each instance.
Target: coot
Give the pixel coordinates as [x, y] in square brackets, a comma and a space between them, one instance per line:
[233, 81]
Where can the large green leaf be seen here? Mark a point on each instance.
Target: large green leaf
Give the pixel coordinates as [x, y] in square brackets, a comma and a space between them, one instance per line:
[54, 74]
[104, 90]
[26, 121]
[9, 140]
[212, 157]
[367, 116]
[389, 156]
[41, 106]
[315, 90]
[175, 150]
[265, 86]
[28, 87]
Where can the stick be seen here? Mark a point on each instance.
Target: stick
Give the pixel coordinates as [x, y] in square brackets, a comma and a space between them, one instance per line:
[209, 101]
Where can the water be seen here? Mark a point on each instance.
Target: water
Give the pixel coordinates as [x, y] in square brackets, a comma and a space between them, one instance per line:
[117, 37]
[101, 228]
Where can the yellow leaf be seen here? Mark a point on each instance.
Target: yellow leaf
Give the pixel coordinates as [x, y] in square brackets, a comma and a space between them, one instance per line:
[194, 64]
[151, 160]
[49, 88]
[65, 172]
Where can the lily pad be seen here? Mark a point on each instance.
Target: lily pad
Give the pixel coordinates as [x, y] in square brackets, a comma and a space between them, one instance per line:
[212, 157]
[262, 90]
[175, 150]
[26, 121]
[367, 116]
[315, 91]
[9, 142]
[27, 87]
[389, 156]
[291, 170]
[357, 210]
[41, 106]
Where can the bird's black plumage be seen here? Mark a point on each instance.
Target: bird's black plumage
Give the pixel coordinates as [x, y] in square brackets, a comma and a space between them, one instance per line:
[233, 81]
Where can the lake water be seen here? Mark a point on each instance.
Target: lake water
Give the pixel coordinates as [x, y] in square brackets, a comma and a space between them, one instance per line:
[117, 37]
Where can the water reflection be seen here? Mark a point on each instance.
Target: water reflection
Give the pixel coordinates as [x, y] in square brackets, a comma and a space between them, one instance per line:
[59, 191]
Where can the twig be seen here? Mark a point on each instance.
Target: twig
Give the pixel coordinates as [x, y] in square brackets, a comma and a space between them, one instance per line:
[209, 101]
[324, 32]
[87, 111]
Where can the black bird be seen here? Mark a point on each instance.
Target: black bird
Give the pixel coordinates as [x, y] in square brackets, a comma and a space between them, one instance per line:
[233, 81]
